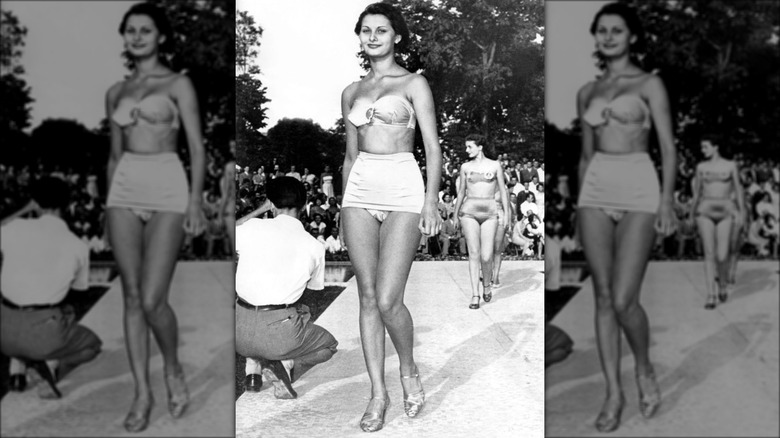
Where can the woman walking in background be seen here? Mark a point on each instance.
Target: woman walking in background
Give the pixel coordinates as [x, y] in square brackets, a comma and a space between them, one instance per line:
[621, 206]
[718, 216]
[382, 222]
[476, 212]
[149, 205]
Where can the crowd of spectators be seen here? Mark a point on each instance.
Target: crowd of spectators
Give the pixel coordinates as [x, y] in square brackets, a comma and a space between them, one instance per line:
[320, 216]
[760, 179]
[85, 214]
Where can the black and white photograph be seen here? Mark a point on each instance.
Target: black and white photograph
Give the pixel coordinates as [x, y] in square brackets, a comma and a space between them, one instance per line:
[118, 126]
[662, 260]
[390, 218]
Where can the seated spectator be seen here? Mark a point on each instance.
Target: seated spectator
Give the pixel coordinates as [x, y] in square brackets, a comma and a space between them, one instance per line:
[519, 239]
[317, 224]
[446, 205]
[529, 205]
[450, 234]
[293, 173]
[316, 208]
[686, 230]
[332, 243]
[42, 261]
[333, 212]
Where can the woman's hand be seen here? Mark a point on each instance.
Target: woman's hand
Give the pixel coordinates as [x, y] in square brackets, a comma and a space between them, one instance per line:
[666, 221]
[194, 220]
[430, 220]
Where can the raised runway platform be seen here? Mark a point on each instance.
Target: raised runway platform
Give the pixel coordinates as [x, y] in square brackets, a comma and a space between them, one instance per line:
[718, 369]
[97, 395]
[482, 370]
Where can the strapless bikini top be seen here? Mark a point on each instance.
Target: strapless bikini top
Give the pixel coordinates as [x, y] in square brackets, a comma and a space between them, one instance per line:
[711, 175]
[474, 177]
[628, 109]
[154, 109]
[390, 110]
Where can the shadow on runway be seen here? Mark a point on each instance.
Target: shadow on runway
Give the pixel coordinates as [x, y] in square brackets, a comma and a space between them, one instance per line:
[572, 412]
[101, 412]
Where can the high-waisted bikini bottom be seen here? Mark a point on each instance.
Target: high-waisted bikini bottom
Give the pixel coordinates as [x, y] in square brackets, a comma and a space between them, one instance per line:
[148, 183]
[716, 209]
[382, 183]
[479, 209]
[618, 184]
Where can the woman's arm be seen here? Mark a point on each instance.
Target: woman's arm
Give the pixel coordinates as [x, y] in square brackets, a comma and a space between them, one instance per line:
[422, 99]
[696, 184]
[116, 132]
[740, 195]
[224, 187]
[187, 101]
[587, 131]
[461, 194]
[504, 197]
[659, 108]
[351, 135]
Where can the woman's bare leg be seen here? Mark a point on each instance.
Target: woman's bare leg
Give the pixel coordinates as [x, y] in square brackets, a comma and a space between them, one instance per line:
[634, 237]
[596, 231]
[163, 237]
[487, 239]
[471, 231]
[126, 235]
[707, 233]
[398, 235]
[361, 235]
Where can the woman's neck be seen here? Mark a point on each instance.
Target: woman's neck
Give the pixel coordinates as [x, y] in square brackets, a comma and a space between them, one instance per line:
[384, 66]
[147, 67]
[619, 66]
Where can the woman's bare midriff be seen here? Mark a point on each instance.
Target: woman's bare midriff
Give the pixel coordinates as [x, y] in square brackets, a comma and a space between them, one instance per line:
[147, 140]
[378, 139]
[621, 140]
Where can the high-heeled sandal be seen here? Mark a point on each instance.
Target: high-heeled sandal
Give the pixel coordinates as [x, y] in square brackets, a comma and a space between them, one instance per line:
[137, 421]
[649, 394]
[487, 293]
[373, 421]
[178, 394]
[474, 305]
[413, 403]
[607, 421]
[712, 302]
[723, 293]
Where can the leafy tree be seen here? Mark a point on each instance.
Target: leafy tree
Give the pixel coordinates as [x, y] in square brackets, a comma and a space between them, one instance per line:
[205, 47]
[485, 70]
[14, 92]
[720, 62]
[247, 41]
[83, 150]
[251, 104]
[303, 143]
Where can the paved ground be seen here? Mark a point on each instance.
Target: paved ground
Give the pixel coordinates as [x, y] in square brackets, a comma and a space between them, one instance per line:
[96, 396]
[718, 370]
[482, 369]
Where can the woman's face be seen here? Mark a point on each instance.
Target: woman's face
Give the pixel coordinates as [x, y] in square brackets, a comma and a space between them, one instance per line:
[613, 38]
[142, 38]
[377, 36]
[472, 149]
[707, 149]
[530, 198]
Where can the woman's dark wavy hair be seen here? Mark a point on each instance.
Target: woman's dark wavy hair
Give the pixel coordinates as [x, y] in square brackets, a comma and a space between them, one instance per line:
[160, 20]
[480, 140]
[395, 17]
[629, 15]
